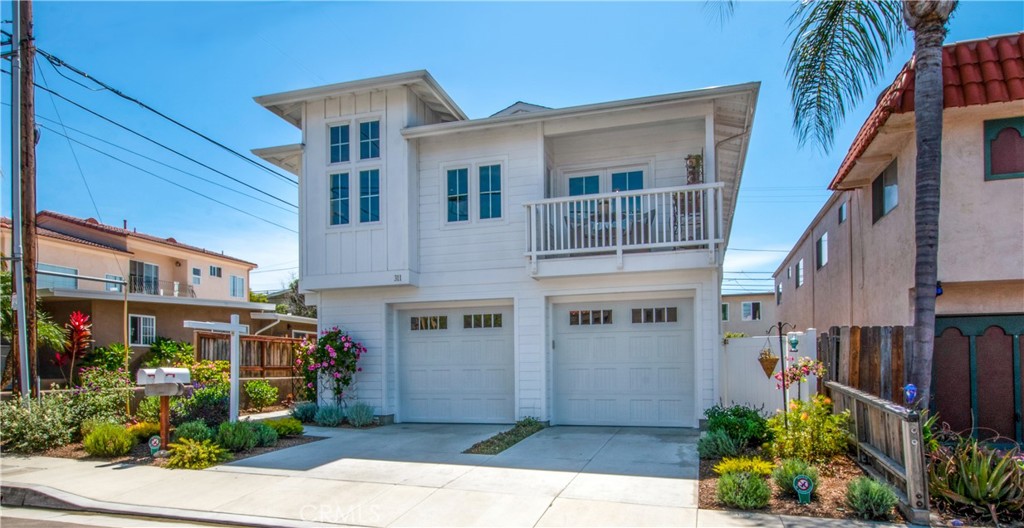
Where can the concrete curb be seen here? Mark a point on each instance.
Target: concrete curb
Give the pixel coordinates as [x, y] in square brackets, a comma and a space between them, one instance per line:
[37, 496]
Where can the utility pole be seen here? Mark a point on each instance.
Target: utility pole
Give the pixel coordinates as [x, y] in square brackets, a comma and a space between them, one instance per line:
[21, 383]
[28, 180]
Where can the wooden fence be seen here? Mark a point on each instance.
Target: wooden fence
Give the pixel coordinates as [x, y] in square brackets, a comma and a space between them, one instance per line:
[889, 445]
[261, 356]
[872, 359]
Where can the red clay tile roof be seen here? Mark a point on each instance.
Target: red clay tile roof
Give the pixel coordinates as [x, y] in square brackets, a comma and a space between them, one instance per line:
[5, 223]
[92, 223]
[975, 72]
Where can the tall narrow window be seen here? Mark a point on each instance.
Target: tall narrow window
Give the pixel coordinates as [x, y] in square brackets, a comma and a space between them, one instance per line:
[339, 144]
[339, 199]
[800, 273]
[237, 286]
[725, 312]
[884, 193]
[490, 191]
[458, 195]
[821, 251]
[369, 140]
[842, 212]
[778, 294]
[369, 195]
[197, 276]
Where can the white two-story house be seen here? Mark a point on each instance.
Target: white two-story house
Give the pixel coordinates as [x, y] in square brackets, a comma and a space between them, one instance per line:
[563, 263]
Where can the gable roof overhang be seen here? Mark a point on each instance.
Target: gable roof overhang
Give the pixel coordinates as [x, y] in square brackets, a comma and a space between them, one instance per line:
[288, 105]
[287, 157]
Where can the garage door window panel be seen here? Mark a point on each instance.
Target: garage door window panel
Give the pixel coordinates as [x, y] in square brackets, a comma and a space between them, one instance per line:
[668, 314]
[590, 317]
[431, 322]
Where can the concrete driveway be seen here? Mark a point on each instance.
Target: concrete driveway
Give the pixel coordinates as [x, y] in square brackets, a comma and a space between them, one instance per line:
[417, 475]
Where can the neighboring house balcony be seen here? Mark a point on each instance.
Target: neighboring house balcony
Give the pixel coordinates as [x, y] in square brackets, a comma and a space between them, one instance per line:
[643, 230]
[151, 286]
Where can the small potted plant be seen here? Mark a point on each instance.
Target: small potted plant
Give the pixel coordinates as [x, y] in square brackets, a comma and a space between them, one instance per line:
[768, 360]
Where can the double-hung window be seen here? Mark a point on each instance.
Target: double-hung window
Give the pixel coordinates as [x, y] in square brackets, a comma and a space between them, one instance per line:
[237, 286]
[197, 276]
[339, 144]
[339, 198]
[458, 195]
[369, 140]
[369, 195]
[141, 330]
[53, 281]
[490, 191]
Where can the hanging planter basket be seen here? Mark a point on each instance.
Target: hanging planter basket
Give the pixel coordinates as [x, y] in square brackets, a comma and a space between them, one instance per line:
[768, 364]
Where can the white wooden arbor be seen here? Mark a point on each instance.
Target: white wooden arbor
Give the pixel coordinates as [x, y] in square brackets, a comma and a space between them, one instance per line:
[235, 329]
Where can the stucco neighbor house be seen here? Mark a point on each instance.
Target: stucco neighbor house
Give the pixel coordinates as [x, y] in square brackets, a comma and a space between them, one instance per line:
[748, 313]
[854, 265]
[562, 263]
[168, 282]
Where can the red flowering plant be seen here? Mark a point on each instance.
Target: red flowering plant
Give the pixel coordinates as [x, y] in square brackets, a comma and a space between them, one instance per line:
[797, 371]
[328, 363]
[79, 339]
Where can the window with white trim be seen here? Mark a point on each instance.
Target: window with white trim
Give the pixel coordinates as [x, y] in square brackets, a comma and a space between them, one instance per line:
[339, 143]
[339, 197]
[113, 286]
[369, 140]
[751, 311]
[216, 271]
[458, 195]
[52, 281]
[800, 273]
[369, 195]
[430, 322]
[821, 251]
[237, 286]
[725, 312]
[885, 193]
[481, 321]
[141, 330]
[842, 212]
[668, 314]
[197, 276]
[490, 191]
[590, 317]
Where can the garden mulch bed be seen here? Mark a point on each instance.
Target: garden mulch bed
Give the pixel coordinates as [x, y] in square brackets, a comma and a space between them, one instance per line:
[139, 455]
[829, 499]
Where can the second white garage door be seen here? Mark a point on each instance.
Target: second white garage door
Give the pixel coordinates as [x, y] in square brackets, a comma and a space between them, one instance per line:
[624, 363]
[456, 365]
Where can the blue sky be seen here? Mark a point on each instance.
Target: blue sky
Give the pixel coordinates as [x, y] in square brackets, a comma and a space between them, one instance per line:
[203, 62]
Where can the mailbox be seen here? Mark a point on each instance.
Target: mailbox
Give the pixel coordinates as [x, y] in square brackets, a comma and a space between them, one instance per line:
[146, 377]
[173, 375]
[164, 381]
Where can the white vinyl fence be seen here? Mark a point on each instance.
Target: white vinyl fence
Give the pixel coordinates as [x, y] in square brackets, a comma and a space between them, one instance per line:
[743, 381]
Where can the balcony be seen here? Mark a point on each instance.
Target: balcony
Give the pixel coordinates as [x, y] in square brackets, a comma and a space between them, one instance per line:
[152, 286]
[645, 230]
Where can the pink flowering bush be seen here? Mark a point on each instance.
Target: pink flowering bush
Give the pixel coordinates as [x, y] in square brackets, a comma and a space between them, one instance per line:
[329, 362]
[797, 371]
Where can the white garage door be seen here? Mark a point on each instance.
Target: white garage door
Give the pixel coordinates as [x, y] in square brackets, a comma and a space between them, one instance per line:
[624, 363]
[455, 365]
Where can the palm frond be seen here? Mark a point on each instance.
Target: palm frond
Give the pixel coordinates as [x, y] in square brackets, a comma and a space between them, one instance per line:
[718, 10]
[839, 48]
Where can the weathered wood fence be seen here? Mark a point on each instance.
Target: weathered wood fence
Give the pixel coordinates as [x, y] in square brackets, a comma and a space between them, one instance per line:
[889, 445]
[262, 356]
[872, 359]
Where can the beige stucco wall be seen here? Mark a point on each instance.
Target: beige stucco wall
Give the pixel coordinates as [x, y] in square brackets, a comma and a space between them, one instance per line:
[870, 274]
[751, 328]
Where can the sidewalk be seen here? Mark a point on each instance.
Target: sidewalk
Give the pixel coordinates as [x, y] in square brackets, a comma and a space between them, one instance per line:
[244, 496]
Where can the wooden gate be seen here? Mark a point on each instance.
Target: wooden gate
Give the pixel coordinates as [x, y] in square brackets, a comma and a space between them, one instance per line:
[262, 356]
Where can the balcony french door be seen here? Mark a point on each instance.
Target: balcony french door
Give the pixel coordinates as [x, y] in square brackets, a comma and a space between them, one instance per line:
[145, 278]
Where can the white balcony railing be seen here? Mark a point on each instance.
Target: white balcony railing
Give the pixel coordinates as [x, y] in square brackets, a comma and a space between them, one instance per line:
[668, 218]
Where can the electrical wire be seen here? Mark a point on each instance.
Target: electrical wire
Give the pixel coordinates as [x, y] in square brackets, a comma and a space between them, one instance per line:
[57, 61]
[159, 144]
[157, 176]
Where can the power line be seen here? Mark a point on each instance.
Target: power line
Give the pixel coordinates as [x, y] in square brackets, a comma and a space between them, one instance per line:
[765, 250]
[155, 142]
[155, 175]
[278, 269]
[60, 62]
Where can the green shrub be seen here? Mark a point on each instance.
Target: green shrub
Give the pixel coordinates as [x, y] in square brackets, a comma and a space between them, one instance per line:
[109, 358]
[210, 372]
[304, 411]
[744, 425]
[752, 465]
[44, 424]
[285, 426]
[743, 491]
[195, 430]
[360, 414]
[102, 395]
[91, 423]
[788, 470]
[237, 436]
[168, 352]
[717, 444]
[109, 440]
[144, 430]
[149, 409]
[192, 454]
[329, 415]
[870, 499]
[209, 404]
[266, 436]
[261, 393]
[814, 434]
[972, 479]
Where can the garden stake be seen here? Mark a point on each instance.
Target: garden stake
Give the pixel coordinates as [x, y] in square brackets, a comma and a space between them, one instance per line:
[782, 354]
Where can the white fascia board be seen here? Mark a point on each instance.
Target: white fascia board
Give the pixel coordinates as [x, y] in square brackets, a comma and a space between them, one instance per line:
[280, 156]
[67, 293]
[577, 111]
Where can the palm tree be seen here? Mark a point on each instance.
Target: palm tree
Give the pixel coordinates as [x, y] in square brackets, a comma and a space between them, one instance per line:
[837, 48]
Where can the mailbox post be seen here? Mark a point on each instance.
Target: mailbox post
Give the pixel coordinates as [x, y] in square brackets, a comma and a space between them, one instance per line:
[236, 329]
[164, 382]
